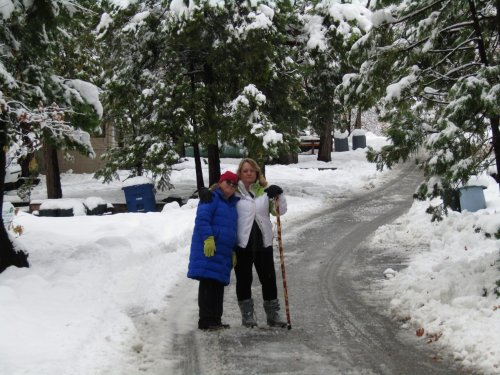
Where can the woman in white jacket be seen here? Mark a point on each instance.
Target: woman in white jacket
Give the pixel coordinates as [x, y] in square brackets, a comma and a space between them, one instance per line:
[255, 243]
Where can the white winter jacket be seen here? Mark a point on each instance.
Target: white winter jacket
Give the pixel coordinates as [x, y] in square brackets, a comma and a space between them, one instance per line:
[256, 208]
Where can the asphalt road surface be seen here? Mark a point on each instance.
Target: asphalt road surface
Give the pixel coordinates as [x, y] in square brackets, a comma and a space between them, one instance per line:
[339, 325]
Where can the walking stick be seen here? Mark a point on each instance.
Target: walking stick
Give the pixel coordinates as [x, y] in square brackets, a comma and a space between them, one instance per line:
[282, 262]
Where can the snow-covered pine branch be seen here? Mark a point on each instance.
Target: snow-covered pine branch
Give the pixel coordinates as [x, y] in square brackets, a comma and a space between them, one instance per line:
[26, 127]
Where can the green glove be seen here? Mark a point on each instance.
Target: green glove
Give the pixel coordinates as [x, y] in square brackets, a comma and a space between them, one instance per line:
[234, 259]
[209, 248]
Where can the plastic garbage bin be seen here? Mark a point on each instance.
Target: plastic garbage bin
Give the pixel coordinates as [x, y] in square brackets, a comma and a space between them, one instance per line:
[358, 141]
[140, 198]
[472, 198]
[341, 144]
[190, 152]
[232, 151]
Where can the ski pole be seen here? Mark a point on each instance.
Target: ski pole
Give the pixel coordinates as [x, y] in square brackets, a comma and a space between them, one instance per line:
[282, 262]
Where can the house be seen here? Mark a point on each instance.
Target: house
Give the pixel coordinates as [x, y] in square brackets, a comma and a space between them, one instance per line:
[83, 164]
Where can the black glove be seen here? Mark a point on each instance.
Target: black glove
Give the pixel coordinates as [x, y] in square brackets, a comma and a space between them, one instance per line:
[273, 191]
[205, 195]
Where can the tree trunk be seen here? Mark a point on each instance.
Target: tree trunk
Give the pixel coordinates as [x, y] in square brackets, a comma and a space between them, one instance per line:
[496, 144]
[213, 164]
[477, 31]
[197, 166]
[53, 176]
[498, 16]
[357, 123]
[325, 143]
[196, 146]
[3, 158]
[182, 150]
[286, 158]
[346, 119]
[25, 163]
[8, 256]
[494, 121]
[211, 122]
[29, 159]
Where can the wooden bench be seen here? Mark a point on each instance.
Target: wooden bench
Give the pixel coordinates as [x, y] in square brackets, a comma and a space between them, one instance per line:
[309, 144]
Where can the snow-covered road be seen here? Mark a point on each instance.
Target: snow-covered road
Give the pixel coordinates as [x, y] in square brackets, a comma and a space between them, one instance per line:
[337, 313]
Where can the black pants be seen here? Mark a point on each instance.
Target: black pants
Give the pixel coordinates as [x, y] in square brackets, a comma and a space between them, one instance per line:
[255, 254]
[210, 303]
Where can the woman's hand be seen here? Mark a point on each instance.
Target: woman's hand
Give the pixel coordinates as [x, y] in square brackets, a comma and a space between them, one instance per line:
[205, 195]
[273, 191]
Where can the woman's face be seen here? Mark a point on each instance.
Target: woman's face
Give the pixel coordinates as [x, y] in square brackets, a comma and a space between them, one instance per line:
[248, 174]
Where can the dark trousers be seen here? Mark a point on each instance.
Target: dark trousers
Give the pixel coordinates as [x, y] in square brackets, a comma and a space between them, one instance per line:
[255, 254]
[210, 303]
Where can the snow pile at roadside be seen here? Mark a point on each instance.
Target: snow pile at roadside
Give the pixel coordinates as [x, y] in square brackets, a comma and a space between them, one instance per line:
[449, 294]
[73, 308]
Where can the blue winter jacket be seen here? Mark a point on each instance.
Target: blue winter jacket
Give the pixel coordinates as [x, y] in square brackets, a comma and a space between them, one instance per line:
[218, 218]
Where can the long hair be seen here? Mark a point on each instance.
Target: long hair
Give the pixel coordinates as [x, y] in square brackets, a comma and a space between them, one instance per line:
[260, 177]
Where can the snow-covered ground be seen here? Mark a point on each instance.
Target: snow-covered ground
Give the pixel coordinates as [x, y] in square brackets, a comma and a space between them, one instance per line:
[73, 311]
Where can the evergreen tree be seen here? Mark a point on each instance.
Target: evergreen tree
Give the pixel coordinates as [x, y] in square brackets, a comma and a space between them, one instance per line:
[435, 66]
[136, 93]
[230, 46]
[37, 102]
[201, 63]
[200, 56]
[330, 29]
[41, 41]
[265, 112]
[253, 124]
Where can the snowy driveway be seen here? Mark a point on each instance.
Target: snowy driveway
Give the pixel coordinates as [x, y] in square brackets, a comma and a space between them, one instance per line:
[338, 320]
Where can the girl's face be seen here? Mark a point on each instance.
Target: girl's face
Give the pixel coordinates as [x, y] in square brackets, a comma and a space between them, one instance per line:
[228, 188]
[248, 174]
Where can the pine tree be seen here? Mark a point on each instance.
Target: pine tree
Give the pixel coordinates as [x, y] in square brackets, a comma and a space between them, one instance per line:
[200, 57]
[137, 93]
[231, 46]
[265, 112]
[436, 68]
[40, 42]
[201, 62]
[37, 102]
[331, 28]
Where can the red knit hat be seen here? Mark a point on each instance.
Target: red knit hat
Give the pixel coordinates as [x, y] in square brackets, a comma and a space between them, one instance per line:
[230, 176]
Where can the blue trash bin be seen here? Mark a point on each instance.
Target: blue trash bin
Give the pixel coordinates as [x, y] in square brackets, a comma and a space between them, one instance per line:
[140, 198]
[472, 198]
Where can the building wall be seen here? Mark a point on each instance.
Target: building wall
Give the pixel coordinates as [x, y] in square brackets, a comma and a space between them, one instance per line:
[83, 164]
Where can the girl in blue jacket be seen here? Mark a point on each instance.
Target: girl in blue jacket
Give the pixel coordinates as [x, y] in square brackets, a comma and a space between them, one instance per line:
[210, 260]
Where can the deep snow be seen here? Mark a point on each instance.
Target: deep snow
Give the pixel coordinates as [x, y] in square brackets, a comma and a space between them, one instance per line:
[74, 310]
